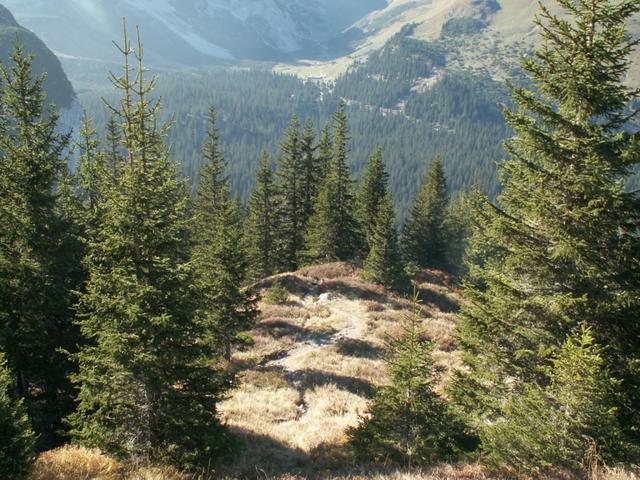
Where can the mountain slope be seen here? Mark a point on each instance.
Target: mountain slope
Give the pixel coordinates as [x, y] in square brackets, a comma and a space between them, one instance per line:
[57, 86]
[194, 32]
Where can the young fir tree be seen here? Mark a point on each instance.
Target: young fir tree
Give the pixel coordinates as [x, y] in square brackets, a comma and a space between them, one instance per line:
[569, 423]
[213, 183]
[37, 265]
[311, 170]
[384, 262]
[424, 237]
[325, 154]
[290, 176]
[408, 423]
[561, 244]
[219, 253]
[148, 382]
[261, 224]
[334, 233]
[373, 190]
[17, 441]
[457, 225]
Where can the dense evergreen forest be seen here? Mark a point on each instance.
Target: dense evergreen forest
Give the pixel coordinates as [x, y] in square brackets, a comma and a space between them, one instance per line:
[127, 286]
[459, 117]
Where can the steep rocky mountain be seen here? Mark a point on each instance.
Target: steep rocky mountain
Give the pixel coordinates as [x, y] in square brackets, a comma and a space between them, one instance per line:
[196, 32]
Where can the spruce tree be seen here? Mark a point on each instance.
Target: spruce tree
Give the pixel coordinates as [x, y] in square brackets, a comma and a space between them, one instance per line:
[373, 190]
[261, 225]
[384, 262]
[407, 422]
[325, 153]
[311, 171]
[113, 152]
[148, 379]
[37, 270]
[334, 233]
[222, 269]
[457, 225]
[219, 251]
[569, 423]
[213, 183]
[424, 237]
[561, 244]
[17, 441]
[290, 177]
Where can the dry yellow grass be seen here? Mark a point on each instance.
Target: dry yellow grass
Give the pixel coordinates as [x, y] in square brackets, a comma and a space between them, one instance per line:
[310, 374]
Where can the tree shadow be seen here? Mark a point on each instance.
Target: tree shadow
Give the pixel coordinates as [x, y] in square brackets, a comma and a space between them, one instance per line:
[352, 347]
[308, 379]
[441, 301]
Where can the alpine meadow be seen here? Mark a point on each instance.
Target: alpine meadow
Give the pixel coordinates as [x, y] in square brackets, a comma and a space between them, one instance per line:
[290, 240]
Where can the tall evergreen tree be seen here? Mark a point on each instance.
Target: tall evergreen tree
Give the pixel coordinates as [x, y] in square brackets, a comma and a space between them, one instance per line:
[290, 175]
[334, 233]
[36, 263]
[17, 441]
[457, 225]
[325, 153]
[261, 225]
[311, 171]
[148, 381]
[384, 262]
[213, 183]
[114, 155]
[562, 243]
[407, 422]
[219, 253]
[373, 190]
[423, 236]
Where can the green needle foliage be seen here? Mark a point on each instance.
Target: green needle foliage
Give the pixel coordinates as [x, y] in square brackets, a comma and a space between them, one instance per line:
[570, 423]
[562, 242]
[290, 180]
[39, 264]
[334, 232]
[384, 262]
[408, 423]
[373, 189]
[17, 441]
[424, 236]
[261, 224]
[148, 378]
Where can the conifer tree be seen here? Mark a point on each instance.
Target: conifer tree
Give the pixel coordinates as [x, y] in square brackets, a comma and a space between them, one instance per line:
[219, 253]
[311, 169]
[373, 190]
[334, 233]
[222, 269]
[325, 153]
[114, 154]
[262, 222]
[148, 380]
[384, 262]
[457, 225]
[407, 422]
[290, 177]
[17, 441]
[561, 244]
[213, 183]
[424, 236]
[568, 423]
[36, 263]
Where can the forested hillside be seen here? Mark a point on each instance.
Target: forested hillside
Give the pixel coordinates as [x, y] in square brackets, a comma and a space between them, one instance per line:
[389, 102]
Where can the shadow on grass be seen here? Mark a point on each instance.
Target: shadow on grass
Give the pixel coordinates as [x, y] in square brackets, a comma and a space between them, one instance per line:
[309, 378]
[352, 347]
[441, 301]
